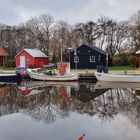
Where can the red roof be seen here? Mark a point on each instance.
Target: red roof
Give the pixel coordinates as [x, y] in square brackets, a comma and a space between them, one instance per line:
[3, 52]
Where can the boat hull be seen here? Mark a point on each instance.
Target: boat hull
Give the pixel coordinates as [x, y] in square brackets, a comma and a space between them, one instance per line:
[45, 77]
[10, 78]
[117, 78]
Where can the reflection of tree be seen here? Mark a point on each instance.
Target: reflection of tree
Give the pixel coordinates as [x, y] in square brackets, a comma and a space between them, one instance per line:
[123, 101]
[107, 109]
[7, 104]
[50, 104]
[43, 108]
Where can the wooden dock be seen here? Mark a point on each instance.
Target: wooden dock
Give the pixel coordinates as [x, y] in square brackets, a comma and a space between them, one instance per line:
[87, 77]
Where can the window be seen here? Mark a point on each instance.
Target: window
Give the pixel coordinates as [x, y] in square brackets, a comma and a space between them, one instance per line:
[76, 59]
[99, 58]
[92, 59]
[27, 60]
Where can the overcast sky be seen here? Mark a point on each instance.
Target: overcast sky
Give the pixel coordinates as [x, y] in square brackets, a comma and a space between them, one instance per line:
[14, 12]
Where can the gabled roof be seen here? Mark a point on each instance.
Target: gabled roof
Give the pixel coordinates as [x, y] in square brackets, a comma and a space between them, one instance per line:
[34, 53]
[3, 52]
[94, 48]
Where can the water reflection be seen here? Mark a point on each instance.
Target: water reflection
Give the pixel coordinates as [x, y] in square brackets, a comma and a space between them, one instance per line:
[49, 102]
[114, 85]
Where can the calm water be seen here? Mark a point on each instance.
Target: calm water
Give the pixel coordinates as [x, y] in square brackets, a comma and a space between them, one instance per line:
[63, 111]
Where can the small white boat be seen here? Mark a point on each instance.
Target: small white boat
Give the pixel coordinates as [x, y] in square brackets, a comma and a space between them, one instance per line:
[35, 87]
[117, 78]
[36, 75]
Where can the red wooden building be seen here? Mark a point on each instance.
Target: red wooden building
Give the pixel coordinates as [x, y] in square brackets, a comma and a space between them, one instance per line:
[31, 58]
[3, 55]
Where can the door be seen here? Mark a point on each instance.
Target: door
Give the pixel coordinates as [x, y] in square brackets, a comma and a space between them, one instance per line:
[22, 61]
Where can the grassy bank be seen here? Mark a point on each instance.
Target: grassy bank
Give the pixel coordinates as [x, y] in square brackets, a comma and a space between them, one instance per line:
[122, 68]
[7, 68]
[110, 68]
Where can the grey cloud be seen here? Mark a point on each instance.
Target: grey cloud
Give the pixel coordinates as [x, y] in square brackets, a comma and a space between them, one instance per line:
[73, 11]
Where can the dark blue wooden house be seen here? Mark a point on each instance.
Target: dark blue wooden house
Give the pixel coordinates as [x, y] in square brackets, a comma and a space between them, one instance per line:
[87, 57]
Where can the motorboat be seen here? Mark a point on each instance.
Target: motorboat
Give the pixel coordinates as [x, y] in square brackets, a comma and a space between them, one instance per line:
[34, 74]
[117, 77]
[63, 74]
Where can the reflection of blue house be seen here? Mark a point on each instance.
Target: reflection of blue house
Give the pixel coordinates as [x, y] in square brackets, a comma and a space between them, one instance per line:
[87, 57]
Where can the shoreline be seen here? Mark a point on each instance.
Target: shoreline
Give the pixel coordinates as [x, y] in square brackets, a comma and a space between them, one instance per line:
[83, 71]
[110, 71]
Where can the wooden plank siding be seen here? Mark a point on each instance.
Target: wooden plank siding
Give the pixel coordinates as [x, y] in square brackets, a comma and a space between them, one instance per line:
[88, 57]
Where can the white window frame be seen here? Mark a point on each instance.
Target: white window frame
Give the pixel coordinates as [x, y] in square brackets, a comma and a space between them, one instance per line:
[76, 59]
[99, 58]
[92, 59]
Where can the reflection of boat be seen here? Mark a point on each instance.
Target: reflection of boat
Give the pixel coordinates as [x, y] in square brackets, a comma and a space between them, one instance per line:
[51, 83]
[34, 87]
[28, 90]
[117, 78]
[9, 78]
[35, 74]
[107, 85]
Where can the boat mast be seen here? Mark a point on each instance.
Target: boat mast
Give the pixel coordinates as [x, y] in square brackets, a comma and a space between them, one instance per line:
[106, 59]
[61, 55]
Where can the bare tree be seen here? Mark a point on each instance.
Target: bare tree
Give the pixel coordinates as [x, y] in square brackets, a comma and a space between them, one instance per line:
[61, 40]
[88, 33]
[135, 31]
[121, 40]
[42, 30]
[103, 25]
[110, 47]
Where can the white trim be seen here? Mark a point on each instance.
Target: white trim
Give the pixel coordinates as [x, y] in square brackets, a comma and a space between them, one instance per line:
[92, 59]
[22, 61]
[76, 59]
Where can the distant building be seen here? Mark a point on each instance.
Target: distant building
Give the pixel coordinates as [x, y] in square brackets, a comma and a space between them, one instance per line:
[31, 58]
[3, 55]
[138, 57]
[88, 57]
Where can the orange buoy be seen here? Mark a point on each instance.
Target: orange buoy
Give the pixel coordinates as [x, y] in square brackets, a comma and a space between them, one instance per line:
[81, 137]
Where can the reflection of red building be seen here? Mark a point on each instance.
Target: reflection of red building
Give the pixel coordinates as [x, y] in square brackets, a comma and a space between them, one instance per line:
[24, 89]
[3, 55]
[3, 89]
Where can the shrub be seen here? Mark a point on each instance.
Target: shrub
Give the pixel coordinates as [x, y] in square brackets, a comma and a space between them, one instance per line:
[124, 58]
[117, 61]
[10, 63]
[132, 60]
